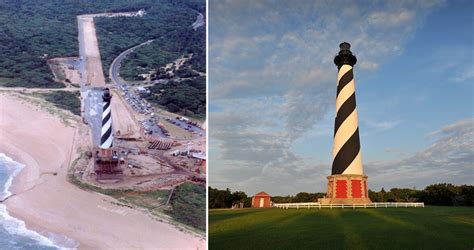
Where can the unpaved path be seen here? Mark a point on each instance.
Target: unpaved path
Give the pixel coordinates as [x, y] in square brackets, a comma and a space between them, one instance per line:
[89, 50]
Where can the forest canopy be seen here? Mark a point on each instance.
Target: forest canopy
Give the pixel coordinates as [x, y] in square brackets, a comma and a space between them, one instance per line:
[187, 97]
[34, 31]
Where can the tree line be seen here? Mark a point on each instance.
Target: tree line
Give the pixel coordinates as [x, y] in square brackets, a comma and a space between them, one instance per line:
[437, 194]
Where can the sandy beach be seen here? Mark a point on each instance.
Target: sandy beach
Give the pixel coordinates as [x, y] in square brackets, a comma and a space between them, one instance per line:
[49, 204]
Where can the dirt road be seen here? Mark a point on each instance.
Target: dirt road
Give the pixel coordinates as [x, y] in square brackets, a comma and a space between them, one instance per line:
[89, 50]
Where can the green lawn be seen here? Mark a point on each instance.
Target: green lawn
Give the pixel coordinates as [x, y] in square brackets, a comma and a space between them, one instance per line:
[387, 228]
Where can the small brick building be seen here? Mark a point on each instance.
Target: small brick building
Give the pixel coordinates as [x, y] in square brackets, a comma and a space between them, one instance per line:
[261, 199]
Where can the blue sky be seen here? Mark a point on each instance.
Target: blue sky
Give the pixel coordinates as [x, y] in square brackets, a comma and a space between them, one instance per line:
[272, 88]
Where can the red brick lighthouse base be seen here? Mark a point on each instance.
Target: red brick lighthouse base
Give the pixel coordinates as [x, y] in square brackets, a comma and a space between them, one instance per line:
[346, 189]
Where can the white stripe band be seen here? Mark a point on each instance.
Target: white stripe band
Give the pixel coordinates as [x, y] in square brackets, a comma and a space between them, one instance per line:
[106, 126]
[105, 112]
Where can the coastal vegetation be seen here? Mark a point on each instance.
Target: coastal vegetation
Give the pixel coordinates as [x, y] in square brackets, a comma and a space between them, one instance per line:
[432, 227]
[189, 205]
[187, 97]
[168, 22]
[169, 25]
[164, 50]
[145, 59]
[35, 31]
[65, 100]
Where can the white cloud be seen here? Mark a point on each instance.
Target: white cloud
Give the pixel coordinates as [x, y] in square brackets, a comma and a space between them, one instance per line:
[466, 74]
[450, 158]
[369, 65]
[382, 125]
[387, 19]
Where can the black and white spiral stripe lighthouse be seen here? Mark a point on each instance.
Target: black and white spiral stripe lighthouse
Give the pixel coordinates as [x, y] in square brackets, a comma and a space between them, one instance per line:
[106, 135]
[347, 183]
[346, 149]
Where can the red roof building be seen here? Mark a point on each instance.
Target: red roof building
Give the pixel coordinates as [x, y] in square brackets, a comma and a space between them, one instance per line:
[261, 199]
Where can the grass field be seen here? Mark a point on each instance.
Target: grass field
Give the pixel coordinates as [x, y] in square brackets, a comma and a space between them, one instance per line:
[387, 228]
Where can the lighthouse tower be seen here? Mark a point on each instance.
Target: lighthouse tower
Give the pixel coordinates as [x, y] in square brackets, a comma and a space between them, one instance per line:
[106, 136]
[347, 183]
[106, 158]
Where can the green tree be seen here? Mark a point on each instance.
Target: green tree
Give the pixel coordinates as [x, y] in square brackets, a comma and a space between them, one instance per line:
[441, 194]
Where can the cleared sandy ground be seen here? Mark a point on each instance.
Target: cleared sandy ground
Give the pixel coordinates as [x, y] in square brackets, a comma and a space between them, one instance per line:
[122, 119]
[60, 65]
[50, 204]
[90, 46]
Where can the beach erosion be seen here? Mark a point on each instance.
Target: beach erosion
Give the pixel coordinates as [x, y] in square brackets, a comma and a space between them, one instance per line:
[42, 197]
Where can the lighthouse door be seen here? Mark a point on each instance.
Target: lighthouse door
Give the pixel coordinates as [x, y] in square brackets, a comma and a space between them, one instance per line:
[261, 202]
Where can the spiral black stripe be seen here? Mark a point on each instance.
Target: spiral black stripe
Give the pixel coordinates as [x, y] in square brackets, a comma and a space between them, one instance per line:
[345, 79]
[346, 154]
[106, 106]
[345, 111]
[106, 136]
[106, 119]
[106, 139]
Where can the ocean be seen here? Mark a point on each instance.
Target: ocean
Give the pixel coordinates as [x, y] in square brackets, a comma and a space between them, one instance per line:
[13, 232]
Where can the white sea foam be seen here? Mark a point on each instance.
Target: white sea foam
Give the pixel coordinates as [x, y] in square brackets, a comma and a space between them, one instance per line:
[18, 227]
[14, 225]
[12, 166]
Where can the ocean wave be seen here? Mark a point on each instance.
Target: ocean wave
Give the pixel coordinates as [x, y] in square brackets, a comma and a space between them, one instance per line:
[14, 168]
[11, 224]
[18, 227]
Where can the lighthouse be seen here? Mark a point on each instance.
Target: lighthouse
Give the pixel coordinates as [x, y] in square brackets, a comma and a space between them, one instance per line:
[106, 136]
[106, 157]
[347, 183]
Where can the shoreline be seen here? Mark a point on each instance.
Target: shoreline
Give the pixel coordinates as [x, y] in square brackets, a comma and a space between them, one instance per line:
[30, 174]
[49, 204]
[20, 225]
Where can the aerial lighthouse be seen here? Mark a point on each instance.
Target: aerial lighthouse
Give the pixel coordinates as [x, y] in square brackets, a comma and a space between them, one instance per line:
[106, 158]
[106, 135]
[347, 183]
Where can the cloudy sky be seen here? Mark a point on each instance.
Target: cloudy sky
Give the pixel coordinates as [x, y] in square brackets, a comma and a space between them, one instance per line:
[272, 88]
